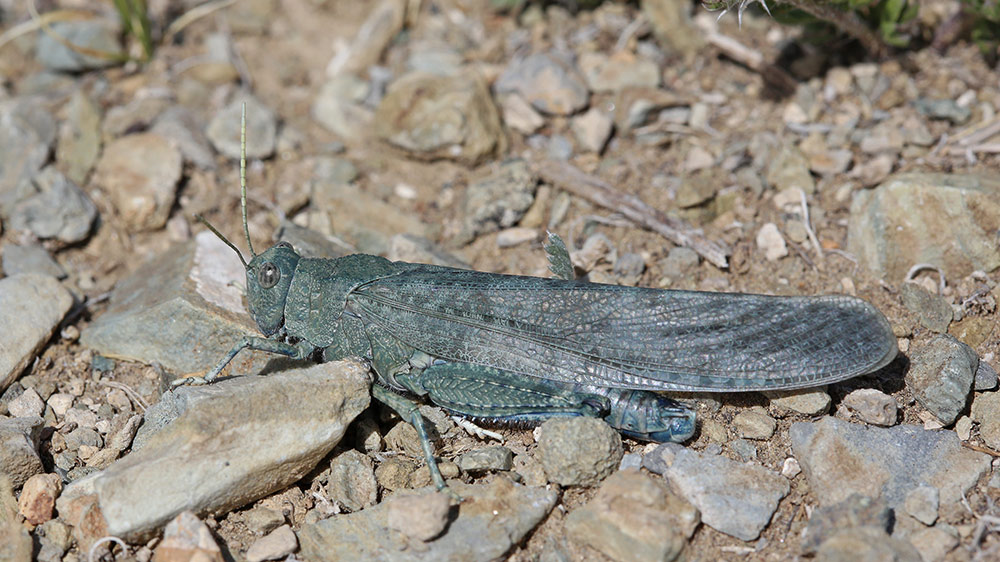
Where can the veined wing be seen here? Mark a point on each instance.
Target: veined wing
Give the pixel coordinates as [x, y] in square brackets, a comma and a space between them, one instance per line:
[627, 336]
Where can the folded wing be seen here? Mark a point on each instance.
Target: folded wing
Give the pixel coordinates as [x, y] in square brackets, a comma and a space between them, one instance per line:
[626, 336]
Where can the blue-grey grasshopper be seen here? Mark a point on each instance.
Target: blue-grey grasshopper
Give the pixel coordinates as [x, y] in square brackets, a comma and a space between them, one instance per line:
[518, 350]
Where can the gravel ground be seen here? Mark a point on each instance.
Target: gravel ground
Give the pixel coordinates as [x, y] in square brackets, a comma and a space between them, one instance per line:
[668, 149]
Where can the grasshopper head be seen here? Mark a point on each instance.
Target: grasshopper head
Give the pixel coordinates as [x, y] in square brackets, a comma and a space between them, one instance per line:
[269, 275]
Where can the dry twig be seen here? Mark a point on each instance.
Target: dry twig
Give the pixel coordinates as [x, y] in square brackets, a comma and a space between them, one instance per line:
[564, 175]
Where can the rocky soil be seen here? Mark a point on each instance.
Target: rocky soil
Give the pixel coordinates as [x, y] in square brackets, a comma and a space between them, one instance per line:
[668, 149]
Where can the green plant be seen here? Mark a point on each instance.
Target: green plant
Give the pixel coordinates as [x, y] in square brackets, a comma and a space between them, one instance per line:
[876, 24]
[135, 21]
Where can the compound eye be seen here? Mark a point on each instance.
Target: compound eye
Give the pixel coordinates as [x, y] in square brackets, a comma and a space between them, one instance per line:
[268, 275]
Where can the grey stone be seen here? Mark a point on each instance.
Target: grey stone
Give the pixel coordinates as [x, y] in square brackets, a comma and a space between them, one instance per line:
[15, 541]
[498, 200]
[13, 391]
[630, 461]
[744, 449]
[493, 518]
[98, 35]
[360, 217]
[855, 511]
[679, 261]
[24, 148]
[673, 26]
[810, 401]
[19, 458]
[277, 545]
[754, 423]
[180, 310]
[697, 189]
[119, 438]
[866, 544]
[35, 304]
[433, 117]
[138, 114]
[872, 406]
[352, 480]
[659, 459]
[365, 49]
[28, 404]
[941, 375]
[181, 126]
[559, 147]
[339, 107]
[986, 377]
[54, 538]
[262, 520]
[515, 236]
[629, 265]
[310, 243]
[714, 484]
[439, 59]
[941, 219]
[30, 258]
[416, 249]
[221, 446]
[419, 516]
[82, 436]
[943, 109]
[840, 459]
[592, 129]
[883, 137]
[932, 311]
[933, 543]
[519, 115]
[56, 208]
[496, 457]
[922, 503]
[632, 518]
[224, 130]
[394, 473]
[140, 173]
[621, 70]
[548, 81]
[986, 411]
[789, 169]
[79, 141]
[578, 451]
[771, 243]
[188, 538]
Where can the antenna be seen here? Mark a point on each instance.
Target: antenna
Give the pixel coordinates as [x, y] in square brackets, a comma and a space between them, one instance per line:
[221, 237]
[243, 177]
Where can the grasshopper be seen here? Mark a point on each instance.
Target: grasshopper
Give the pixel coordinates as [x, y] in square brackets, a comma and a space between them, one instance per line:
[517, 350]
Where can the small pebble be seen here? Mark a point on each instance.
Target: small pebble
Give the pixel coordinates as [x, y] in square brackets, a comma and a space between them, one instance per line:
[38, 497]
[262, 520]
[872, 406]
[771, 242]
[515, 236]
[922, 503]
[754, 424]
[278, 544]
[592, 129]
[60, 403]
[744, 449]
[421, 517]
[578, 451]
[963, 427]
[28, 404]
[497, 457]
[790, 468]
[810, 402]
